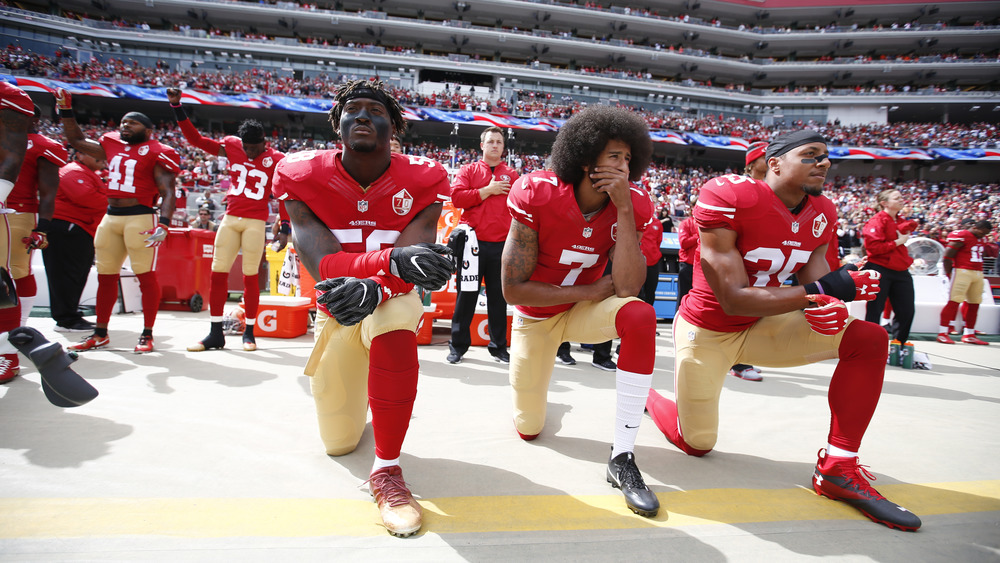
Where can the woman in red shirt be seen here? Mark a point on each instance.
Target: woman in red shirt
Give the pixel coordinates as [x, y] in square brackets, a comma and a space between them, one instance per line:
[885, 237]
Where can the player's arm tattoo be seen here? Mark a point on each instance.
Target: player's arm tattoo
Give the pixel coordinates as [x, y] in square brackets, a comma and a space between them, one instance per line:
[14, 143]
[313, 240]
[166, 184]
[520, 253]
[423, 227]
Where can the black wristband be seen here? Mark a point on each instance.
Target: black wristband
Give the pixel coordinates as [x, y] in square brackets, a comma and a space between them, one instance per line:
[285, 228]
[813, 289]
[179, 113]
[43, 226]
[164, 221]
[67, 113]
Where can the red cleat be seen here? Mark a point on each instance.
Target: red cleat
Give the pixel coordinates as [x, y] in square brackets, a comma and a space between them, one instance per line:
[9, 367]
[944, 339]
[971, 339]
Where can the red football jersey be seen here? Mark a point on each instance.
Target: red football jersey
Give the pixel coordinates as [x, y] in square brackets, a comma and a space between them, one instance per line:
[571, 250]
[16, 99]
[970, 256]
[774, 243]
[489, 217]
[130, 167]
[24, 196]
[250, 189]
[361, 220]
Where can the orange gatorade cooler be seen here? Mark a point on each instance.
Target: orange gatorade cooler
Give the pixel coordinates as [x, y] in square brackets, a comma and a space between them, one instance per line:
[282, 317]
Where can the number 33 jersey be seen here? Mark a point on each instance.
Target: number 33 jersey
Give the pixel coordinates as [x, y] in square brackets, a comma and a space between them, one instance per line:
[362, 220]
[130, 167]
[773, 242]
[571, 249]
[250, 189]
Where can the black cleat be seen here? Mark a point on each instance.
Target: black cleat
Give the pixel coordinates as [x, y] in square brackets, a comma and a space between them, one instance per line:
[624, 474]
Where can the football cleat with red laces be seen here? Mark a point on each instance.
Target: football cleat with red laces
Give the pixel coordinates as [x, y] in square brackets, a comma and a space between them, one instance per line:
[9, 367]
[400, 513]
[145, 344]
[90, 343]
[845, 479]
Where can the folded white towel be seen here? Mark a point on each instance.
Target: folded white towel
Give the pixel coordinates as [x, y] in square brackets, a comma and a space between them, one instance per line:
[469, 270]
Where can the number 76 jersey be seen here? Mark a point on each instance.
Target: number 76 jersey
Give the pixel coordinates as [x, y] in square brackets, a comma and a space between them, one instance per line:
[774, 242]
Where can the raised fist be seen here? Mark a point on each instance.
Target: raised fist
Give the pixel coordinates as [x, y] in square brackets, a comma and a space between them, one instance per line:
[174, 96]
[64, 100]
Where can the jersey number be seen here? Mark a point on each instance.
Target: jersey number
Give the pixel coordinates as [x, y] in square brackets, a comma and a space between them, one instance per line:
[119, 181]
[571, 257]
[777, 264]
[257, 178]
[375, 239]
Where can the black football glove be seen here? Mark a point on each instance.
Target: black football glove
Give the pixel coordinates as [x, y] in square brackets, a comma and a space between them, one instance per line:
[427, 265]
[349, 300]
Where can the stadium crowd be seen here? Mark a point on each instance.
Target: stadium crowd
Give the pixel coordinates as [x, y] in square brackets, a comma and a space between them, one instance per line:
[940, 207]
[526, 103]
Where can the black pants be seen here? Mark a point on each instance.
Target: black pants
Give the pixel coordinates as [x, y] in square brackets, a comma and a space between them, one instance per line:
[68, 259]
[897, 287]
[685, 279]
[496, 306]
[648, 291]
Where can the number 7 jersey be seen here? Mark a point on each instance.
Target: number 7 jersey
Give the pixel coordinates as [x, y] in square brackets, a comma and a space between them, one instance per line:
[773, 242]
[130, 167]
[571, 250]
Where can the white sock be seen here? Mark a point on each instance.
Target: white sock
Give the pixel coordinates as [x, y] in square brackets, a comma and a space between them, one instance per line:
[632, 390]
[837, 452]
[26, 304]
[5, 346]
[383, 463]
[944, 329]
[969, 331]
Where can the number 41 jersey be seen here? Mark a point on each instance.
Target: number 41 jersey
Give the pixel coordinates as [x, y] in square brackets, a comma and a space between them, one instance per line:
[773, 242]
[362, 220]
[130, 167]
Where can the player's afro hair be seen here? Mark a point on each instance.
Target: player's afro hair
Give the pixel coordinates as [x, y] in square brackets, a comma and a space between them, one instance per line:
[582, 139]
[376, 90]
[251, 131]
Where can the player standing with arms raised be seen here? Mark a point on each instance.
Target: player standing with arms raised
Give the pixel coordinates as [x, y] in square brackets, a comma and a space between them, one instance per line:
[251, 167]
[141, 170]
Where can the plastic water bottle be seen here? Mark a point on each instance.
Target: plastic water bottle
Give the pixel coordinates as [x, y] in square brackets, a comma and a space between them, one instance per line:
[894, 352]
[906, 356]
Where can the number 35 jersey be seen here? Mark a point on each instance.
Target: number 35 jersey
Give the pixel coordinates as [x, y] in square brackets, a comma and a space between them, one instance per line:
[250, 188]
[362, 220]
[130, 167]
[571, 249]
[773, 242]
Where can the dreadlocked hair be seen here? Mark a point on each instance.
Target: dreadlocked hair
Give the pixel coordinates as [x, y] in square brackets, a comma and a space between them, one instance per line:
[582, 139]
[379, 87]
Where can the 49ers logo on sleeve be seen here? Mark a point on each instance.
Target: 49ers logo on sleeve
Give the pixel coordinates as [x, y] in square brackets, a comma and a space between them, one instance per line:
[30, 144]
[143, 150]
[267, 162]
[402, 202]
[819, 225]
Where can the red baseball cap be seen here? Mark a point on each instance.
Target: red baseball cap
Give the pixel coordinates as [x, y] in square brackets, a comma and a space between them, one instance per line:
[756, 150]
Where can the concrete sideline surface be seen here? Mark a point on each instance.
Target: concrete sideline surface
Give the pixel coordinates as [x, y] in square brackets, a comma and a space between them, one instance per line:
[197, 456]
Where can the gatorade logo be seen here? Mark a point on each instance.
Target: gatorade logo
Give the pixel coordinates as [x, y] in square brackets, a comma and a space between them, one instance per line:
[483, 329]
[267, 320]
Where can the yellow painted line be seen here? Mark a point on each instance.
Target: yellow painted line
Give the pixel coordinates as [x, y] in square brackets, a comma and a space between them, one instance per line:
[284, 517]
